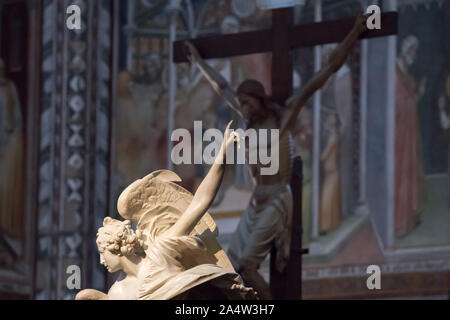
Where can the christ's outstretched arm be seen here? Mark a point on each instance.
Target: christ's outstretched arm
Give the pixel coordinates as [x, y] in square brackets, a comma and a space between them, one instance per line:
[335, 62]
[217, 81]
[207, 190]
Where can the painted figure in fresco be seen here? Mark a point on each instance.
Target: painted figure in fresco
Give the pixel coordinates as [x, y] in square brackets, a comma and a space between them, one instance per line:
[330, 209]
[408, 164]
[337, 96]
[174, 253]
[132, 132]
[11, 158]
[445, 125]
[267, 221]
[303, 138]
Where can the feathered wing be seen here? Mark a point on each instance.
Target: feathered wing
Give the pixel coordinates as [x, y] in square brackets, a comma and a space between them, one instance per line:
[155, 203]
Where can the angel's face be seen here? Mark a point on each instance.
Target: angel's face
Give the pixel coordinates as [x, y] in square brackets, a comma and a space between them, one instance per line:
[110, 261]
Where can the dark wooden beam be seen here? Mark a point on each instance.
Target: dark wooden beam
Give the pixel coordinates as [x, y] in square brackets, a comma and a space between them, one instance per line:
[222, 46]
[282, 21]
[287, 285]
[314, 34]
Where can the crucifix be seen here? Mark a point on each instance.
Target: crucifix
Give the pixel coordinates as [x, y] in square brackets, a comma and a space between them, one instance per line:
[280, 40]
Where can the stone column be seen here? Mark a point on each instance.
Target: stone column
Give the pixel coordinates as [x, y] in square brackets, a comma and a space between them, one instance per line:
[74, 145]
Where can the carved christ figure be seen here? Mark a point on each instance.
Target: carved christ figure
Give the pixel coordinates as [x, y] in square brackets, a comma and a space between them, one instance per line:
[267, 220]
[174, 253]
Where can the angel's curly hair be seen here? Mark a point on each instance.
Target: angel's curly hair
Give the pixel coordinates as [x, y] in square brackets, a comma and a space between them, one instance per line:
[119, 238]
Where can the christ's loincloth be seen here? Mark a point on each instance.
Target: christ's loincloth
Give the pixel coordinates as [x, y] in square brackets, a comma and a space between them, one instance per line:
[265, 224]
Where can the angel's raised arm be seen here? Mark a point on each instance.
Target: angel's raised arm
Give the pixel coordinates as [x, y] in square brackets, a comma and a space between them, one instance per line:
[217, 81]
[206, 192]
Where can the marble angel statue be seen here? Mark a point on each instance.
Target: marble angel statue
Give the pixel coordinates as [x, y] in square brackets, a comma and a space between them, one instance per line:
[174, 253]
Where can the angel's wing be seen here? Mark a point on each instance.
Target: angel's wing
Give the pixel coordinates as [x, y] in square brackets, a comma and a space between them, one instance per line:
[155, 203]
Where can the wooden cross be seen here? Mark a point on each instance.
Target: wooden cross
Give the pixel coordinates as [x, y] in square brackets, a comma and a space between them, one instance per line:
[281, 39]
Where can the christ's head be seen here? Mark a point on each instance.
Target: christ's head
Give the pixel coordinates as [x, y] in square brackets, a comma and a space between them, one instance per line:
[250, 105]
[254, 102]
